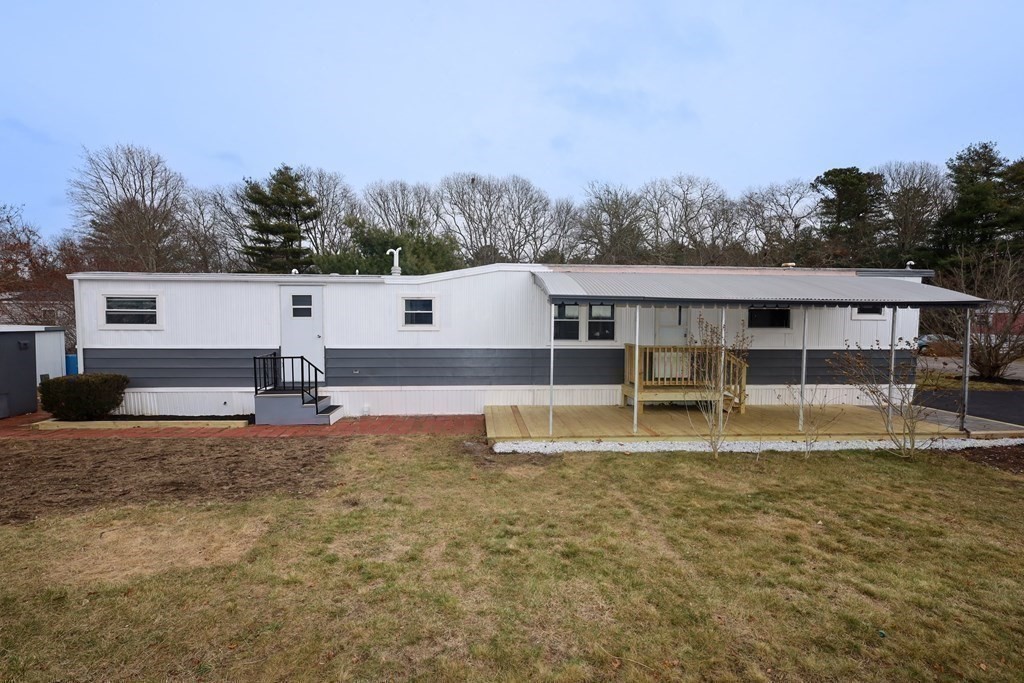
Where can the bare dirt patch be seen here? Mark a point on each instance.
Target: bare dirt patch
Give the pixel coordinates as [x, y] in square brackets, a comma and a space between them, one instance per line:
[1007, 458]
[127, 549]
[47, 477]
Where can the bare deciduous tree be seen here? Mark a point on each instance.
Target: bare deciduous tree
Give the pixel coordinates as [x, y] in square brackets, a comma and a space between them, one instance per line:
[714, 366]
[338, 204]
[34, 289]
[611, 225]
[128, 205]
[689, 220]
[903, 418]
[401, 207]
[997, 332]
[917, 194]
[211, 242]
[471, 209]
[778, 223]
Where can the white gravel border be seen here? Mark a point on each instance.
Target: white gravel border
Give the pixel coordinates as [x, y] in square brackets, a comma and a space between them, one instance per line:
[552, 447]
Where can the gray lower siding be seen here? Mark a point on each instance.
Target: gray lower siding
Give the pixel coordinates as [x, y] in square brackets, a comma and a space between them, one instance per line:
[452, 367]
[152, 368]
[471, 367]
[824, 366]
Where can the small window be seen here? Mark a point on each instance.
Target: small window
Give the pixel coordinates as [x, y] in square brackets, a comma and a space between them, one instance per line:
[872, 309]
[130, 310]
[419, 311]
[567, 322]
[601, 325]
[302, 305]
[768, 317]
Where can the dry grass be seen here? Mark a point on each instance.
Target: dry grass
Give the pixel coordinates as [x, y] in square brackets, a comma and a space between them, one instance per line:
[946, 382]
[421, 560]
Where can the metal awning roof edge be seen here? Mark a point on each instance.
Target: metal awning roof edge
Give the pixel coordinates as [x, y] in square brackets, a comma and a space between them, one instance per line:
[761, 303]
[562, 288]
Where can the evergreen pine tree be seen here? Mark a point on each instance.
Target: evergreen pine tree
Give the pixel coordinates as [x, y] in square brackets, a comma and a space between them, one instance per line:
[277, 213]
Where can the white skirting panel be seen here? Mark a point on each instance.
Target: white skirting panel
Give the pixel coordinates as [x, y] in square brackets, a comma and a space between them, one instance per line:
[191, 401]
[444, 400]
[460, 400]
[814, 394]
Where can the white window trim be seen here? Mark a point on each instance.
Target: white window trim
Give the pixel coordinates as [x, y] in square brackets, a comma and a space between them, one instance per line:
[580, 331]
[584, 338]
[160, 312]
[614, 320]
[402, 327]
[884, 315]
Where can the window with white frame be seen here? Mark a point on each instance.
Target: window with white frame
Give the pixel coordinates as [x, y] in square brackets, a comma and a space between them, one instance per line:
[601, 322]
[567, 322]
[130, 310]
[418, 312]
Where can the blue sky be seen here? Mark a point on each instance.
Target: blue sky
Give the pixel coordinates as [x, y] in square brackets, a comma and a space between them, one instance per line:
[562, 93]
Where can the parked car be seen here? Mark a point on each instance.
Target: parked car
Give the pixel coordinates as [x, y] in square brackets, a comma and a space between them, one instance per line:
[937, 345]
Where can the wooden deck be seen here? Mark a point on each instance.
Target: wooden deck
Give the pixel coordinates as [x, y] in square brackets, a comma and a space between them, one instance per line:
[669, 423]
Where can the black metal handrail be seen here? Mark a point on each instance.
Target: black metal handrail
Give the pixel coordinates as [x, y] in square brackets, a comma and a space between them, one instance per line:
[287, 374]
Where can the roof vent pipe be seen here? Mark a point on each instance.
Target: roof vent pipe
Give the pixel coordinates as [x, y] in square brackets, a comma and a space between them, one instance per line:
[395, 268]
[295, 271]
[789, 265]
[910, 265]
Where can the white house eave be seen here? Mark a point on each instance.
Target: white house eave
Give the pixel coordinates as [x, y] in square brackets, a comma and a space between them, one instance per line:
[311, 279]
[226, 277]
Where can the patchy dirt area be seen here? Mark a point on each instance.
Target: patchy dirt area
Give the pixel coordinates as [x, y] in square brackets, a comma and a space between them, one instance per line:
[44, 477]
[1008, 458]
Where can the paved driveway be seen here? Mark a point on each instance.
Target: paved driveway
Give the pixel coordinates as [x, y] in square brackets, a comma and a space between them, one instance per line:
[1004, 406]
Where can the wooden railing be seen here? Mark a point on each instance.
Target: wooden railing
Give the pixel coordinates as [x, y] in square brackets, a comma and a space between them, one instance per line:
[667, 367]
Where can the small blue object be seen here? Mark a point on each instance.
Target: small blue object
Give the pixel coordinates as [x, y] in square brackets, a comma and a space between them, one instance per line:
[71, 364]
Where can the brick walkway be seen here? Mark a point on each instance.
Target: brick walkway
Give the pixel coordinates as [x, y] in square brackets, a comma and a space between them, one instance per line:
[469, 425]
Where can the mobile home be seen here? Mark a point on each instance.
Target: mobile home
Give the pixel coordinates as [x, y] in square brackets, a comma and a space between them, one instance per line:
[503, 334]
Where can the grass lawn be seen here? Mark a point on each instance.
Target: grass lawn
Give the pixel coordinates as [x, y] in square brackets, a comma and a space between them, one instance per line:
[940, 381]
[415, 557]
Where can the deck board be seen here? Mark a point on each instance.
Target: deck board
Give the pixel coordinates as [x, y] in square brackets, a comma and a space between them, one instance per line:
[777, 423]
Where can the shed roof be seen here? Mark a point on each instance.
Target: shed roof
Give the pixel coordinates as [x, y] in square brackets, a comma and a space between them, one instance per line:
[749, 289]
[30, 328]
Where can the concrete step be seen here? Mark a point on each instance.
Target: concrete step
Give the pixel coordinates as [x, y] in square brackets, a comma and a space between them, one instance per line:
[332, 413]
[280, 408]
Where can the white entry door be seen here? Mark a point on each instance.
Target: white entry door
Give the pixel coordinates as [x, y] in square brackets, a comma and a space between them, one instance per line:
[302, 322]
[671, 325]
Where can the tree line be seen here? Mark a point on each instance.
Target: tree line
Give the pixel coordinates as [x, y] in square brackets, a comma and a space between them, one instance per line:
[133, 212]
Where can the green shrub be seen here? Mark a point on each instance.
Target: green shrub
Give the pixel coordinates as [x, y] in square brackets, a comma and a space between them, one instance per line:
[82, 397]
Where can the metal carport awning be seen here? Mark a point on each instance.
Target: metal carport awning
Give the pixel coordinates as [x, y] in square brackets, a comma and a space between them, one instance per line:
[688, 287]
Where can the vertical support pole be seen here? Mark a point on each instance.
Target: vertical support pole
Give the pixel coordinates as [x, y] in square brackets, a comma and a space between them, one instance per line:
[967, 370]
[892, 370]
[551, 377]
[636, 371]
[803, 371]
[721, 371]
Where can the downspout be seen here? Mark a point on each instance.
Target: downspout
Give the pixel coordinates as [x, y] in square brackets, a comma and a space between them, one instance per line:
[79, 350]
[636, 372]
[803, 371]
[551, 377]
[967, 370]
[721, 373]
[892, 369]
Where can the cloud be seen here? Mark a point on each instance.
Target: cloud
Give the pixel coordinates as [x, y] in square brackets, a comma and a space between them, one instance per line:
[27, 132]
[228, 157]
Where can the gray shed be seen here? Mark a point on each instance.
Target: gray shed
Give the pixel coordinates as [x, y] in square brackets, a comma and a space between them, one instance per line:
[25, 352]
